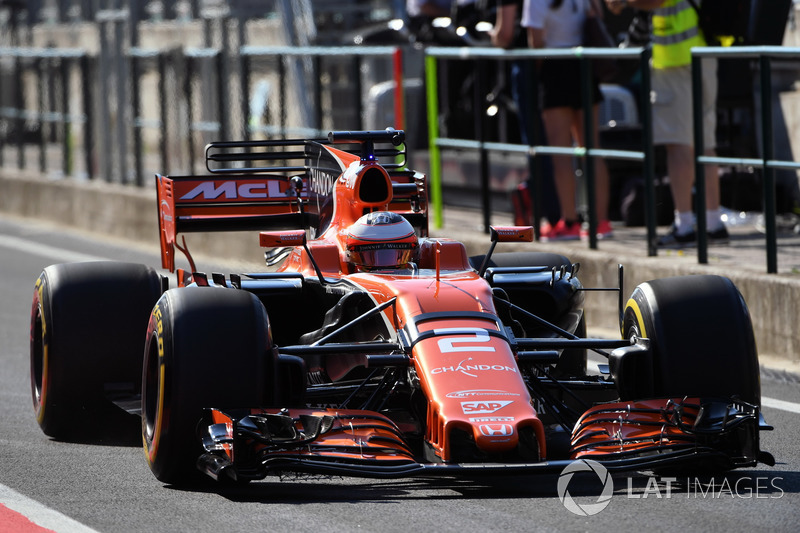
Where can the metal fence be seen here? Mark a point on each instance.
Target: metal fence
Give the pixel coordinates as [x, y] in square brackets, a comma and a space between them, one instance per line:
[585, 55]
[125, 116]
[44, 107]
[764, 55]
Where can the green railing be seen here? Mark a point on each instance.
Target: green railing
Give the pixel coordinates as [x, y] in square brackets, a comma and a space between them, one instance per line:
[588, 152]
[765, 55]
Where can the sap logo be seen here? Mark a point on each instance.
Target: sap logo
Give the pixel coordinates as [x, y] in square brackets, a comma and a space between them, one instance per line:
[483, 408]
[496, 430]
[232, 190]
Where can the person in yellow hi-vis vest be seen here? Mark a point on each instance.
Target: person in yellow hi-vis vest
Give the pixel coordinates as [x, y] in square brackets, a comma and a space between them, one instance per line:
[675, 30]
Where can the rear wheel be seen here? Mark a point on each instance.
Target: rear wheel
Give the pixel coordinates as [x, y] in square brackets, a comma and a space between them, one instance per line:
[701, 337]
[206, 347]
[87, 325]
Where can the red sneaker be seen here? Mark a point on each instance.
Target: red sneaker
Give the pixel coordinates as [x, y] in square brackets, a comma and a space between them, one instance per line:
[563, 232]
[604, 230]
[545, 228]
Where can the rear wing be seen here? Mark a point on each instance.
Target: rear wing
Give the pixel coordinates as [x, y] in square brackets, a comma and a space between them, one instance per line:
[189, 204]
[293, 191]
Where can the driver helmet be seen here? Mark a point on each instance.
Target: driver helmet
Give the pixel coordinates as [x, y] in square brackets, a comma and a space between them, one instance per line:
[381, 239]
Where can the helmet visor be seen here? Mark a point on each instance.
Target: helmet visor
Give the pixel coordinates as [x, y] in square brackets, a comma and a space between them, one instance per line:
[382, 256]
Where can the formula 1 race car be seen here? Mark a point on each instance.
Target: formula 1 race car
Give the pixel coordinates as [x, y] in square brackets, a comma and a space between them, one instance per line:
[369, 348]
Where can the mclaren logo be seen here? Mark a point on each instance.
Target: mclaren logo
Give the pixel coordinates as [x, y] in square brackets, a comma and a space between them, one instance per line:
[233, 190]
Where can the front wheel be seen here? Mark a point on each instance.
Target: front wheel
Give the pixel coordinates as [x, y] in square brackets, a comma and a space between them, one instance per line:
[206, 347]
[701, 338]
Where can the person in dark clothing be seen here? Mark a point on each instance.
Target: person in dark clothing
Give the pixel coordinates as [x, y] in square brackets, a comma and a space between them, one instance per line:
[559, 24]
[509, 34]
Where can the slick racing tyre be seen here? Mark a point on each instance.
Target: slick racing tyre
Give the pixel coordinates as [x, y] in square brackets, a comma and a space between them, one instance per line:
[206, 347]
[701, 337]
[87, 335]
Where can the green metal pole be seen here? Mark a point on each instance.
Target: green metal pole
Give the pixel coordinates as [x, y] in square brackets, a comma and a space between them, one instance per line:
[646, 112]
[432, 100]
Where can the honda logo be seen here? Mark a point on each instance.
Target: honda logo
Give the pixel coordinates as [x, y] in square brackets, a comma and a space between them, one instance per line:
[497, 430]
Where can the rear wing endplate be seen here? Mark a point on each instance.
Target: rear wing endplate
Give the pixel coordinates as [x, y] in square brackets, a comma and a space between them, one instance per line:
[189, 204]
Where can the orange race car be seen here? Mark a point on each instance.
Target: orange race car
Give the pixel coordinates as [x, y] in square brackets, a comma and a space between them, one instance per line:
[370, 349]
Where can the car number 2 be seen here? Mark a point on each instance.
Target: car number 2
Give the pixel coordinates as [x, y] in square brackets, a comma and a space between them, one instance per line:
[474, 338]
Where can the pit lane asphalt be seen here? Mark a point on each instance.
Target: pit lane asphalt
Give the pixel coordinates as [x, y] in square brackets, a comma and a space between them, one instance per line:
[108, 487]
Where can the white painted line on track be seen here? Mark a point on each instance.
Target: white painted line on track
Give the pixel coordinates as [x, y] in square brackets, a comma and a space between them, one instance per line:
[39, 514]
[781, 404]
[44, 250]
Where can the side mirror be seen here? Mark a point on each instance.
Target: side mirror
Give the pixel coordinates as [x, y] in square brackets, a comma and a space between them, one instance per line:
[505, 234]
[275, 239]
[511, 233]
[295, 237]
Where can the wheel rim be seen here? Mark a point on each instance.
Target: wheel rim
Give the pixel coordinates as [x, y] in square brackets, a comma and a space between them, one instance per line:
[37, 356]
[151, 390]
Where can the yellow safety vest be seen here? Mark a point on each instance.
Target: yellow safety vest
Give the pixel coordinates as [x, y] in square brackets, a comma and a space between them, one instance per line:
[675, 32]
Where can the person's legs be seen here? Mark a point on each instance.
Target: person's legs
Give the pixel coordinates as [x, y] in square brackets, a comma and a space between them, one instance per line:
[680, 169]
[673, 127]
[520, 91]
[557, 122]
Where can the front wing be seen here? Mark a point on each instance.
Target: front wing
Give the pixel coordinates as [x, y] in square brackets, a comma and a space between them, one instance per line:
[624, 436]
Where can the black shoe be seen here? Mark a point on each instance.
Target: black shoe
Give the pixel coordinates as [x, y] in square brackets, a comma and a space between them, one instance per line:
[675, 240]
[718, 236]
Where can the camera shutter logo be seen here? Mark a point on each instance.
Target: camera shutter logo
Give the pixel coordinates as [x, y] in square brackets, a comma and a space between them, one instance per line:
[586, 509]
